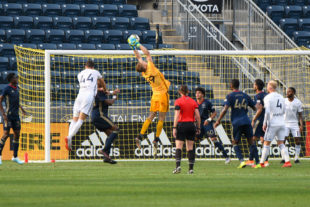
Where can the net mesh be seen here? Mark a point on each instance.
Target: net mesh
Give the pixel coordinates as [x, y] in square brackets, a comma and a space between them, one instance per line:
[211, 72]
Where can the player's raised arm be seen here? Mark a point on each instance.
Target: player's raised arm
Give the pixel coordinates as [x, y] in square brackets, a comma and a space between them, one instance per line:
[146, 53]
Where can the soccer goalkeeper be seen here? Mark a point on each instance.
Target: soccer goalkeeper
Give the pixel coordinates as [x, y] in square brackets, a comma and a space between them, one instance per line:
[160, 97]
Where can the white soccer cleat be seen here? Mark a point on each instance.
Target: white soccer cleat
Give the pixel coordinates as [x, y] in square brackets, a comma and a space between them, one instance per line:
[17, 160]
[177, 170]
[227, 161]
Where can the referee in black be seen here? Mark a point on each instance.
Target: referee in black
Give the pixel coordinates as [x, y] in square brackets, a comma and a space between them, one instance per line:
[186, 114]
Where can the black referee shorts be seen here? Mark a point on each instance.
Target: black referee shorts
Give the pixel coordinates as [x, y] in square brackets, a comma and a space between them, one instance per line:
[186, 131]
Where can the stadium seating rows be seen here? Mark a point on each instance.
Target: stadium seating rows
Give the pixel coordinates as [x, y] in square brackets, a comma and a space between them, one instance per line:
[117, 2]
[263, 4]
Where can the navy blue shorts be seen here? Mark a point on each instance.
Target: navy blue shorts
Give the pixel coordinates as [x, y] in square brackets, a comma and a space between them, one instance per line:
[12, 123]
[246, 130]
[207, 131]
[258, 129]
[102, 123]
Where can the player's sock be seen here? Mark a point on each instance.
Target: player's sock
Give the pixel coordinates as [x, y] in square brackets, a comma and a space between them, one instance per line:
[297, 151]
[178, 155]
[75, 128]
[2, 142]
[15, 148]
[238, 153]
[109, 141]
[265, 153]
[191, 159]
[254, 153]
[159, 127]
[284, 152]
[221, 148]
[145, 126]
[267, 158]
[71, 126]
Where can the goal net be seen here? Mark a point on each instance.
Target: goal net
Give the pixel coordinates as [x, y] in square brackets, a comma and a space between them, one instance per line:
[48, 87]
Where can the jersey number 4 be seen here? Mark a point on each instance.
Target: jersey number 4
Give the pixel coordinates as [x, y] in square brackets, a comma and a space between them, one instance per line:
[279, 104]
[240, 105]
[89, 78]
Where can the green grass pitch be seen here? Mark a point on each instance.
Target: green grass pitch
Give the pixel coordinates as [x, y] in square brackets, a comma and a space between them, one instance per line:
[153, 184]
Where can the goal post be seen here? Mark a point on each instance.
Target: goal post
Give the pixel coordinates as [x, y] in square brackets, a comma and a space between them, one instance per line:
[48, 86]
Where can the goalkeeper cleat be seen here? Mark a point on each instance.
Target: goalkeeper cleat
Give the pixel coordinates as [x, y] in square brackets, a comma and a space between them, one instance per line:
[190, 172]
[138, 141]
[109, 160]
[155, 144]
[261, 165]
[68, 144]
[297, 161]
[16, 159]
[242, 165]
[287, 164]
[282, 162]
[177, 170]
[227, 161]
[249, 162]
[266, 163]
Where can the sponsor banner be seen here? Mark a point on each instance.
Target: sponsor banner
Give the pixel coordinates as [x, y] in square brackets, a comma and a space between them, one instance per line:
[32, 141]
[207, 6]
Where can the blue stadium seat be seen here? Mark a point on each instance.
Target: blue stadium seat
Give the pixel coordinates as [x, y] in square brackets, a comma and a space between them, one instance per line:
[55, 36]
[108, 10]
[28, 45]
[105, 47]
[306, 12]
[2, 36]
[15, 35]
[82, 22]
[1, 9]
[90, 10]
[71, 10]
[293, 11]
[173, 77]
[51, 10]
[32, 10]
[304, 24]
[47, 46]
[127, 10]
[40, 1]
[86, 46]
[23, 22]
[161, 63]
[4, 63]
[103, 23]
[149, 46]
[42, 22]
[148, 36]
[75, 36]
[7, 50]
[63, 22]
[297, 2]
[35, 35]
[113, 36]
[301, 38]
[120, 23]
[123, 47]
[142, 90]
[289, 26]
[94, 36]
[127, 33]
[139, 23]
[112, 1]
[13, 63]
[164, 46]
[13, 9]
[263, 4]
[66, 46]
[6, 22]
[177, 63]
[275, 13]
[280, 2]
[78, 1]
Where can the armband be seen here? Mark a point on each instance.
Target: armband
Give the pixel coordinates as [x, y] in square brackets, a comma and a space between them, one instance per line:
[114, 96]
[209, 119]
[111, 92]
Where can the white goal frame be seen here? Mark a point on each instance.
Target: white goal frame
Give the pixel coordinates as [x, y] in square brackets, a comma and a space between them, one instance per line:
[47, 75]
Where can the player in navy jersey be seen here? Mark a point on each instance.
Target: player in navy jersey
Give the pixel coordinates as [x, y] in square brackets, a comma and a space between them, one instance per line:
[102, 122]
[239, 103]
[11, 115]
[207, 114]
[258, 119]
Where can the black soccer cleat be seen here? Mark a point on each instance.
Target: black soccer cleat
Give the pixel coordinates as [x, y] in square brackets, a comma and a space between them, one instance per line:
[282, 162]
[190, 172]
[109, 160]
[297, 162]
[177, 170]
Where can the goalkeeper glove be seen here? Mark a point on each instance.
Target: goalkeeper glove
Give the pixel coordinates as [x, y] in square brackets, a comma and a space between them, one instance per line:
[133, 47]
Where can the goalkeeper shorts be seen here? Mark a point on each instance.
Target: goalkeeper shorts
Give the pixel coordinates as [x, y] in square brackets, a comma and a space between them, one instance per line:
[160, 102]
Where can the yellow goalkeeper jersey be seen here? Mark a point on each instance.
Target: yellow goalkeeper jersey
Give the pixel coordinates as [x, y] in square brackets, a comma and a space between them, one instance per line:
[156, 79]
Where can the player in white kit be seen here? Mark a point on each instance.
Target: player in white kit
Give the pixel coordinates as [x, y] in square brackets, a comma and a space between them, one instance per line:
[89, 80]
[293, 116]
[274, 125]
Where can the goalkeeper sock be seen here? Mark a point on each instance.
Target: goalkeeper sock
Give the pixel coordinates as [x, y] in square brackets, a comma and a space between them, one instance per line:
[221, 148]
[238, 153]
[297, 151]
[159, 127]
[109, 141]
[75, 128]
[191, 159]
[145, 126]
[265, 153]
[178, 155]
[284, 152]
[15, 148]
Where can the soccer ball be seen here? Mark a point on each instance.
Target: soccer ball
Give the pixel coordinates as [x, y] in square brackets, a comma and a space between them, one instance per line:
[133, 40]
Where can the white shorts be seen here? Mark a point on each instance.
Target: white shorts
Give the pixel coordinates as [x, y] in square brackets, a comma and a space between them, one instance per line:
[275, 131]
[83, 103]
[292, 129]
